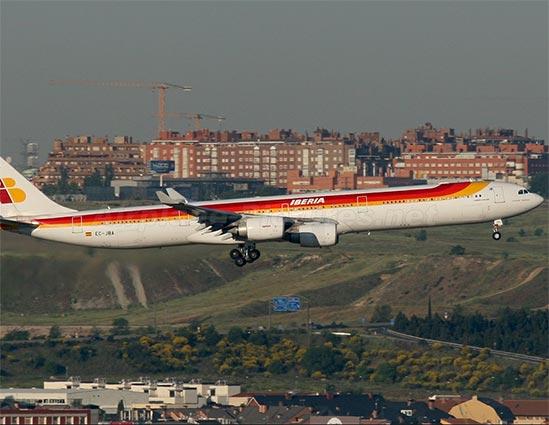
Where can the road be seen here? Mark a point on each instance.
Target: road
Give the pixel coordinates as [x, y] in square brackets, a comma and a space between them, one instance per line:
[498, 353]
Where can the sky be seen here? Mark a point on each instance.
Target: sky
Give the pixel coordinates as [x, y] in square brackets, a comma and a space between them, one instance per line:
[348, 66]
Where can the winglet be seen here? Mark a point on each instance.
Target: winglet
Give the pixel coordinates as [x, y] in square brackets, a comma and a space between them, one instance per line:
[165, 199]
[172, 198]
[176, 196]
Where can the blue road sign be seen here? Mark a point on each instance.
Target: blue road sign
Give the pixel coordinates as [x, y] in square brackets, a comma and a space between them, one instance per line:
[294, 304]
[280, 304]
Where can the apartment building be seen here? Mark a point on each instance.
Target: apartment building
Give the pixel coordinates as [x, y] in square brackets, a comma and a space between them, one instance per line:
[490, 164]
[81, 156]
[67, 416]
[429, 134]
[325, 160]
[494, 154]
[267, 160]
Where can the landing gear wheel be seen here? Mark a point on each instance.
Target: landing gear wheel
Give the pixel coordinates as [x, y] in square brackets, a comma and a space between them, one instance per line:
[235, 253]
[245, 253]
[253, 254]
[495, 229]
[240, 261]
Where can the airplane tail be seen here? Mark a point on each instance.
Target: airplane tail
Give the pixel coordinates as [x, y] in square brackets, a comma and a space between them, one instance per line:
[20, 198]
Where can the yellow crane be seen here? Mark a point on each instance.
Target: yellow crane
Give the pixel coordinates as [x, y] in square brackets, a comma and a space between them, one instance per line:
[196, 117]
[132, 84]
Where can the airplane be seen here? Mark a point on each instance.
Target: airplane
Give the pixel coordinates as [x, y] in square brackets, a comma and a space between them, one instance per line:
[310, 220]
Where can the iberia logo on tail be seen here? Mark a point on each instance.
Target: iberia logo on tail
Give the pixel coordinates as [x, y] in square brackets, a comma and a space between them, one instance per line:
[9, 194]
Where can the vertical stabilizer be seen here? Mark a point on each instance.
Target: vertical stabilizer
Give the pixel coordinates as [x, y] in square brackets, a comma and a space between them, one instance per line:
[20, 198]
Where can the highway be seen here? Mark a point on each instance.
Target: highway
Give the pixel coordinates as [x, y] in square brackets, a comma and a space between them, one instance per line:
[503, 354]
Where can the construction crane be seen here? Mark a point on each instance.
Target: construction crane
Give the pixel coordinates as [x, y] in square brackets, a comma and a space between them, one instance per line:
[132, 84]
[196, 117]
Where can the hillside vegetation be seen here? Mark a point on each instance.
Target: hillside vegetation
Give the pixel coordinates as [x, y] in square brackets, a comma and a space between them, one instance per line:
[45, 284]
[274, 360]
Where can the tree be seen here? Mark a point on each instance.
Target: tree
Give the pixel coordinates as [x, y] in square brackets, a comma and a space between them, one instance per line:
[55, 332]
[120, 326]
[63, 184]
[401, 322]
[120, 409]
[17, 335]
[539, 183]
[382, 313]
[49, 189]
[421, 235]
[53, 368]
[93, 180]
[235, 335]
[323, 359]
[385, 372]
[109, 175]
[276, 367]
[457, 250]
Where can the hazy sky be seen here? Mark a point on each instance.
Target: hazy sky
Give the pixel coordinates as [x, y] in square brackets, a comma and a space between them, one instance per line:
[349, 66]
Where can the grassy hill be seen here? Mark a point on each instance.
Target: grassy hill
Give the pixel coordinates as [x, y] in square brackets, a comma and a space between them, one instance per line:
[45, 283]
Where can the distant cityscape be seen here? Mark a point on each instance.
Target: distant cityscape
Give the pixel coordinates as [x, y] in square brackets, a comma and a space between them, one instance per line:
[172, 401]
[289, 161]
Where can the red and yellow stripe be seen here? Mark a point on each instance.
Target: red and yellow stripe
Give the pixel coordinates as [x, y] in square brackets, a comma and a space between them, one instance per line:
[441, 192]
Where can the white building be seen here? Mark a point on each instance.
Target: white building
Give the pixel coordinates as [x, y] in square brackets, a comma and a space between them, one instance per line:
[106, 399]
[170, 391]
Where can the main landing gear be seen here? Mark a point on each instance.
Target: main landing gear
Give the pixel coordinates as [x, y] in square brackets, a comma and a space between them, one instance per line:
[495, 228]
[244, 254]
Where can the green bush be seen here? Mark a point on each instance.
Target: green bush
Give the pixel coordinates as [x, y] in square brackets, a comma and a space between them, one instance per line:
[457, 250]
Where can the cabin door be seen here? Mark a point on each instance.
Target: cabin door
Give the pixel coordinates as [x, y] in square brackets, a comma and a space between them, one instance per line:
[77, 224]
[362, 204]
[498, 195]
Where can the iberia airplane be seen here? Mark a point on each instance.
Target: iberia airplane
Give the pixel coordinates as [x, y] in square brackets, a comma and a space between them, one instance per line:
[311, 220]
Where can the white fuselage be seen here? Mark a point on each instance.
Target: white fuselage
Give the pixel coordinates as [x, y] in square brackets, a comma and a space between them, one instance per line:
[355, 211]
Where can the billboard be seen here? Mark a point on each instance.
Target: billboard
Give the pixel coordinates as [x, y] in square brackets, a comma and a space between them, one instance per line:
[162, 167]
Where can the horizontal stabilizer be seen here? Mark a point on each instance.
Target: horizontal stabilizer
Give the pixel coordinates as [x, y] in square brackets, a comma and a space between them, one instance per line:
[15, 226]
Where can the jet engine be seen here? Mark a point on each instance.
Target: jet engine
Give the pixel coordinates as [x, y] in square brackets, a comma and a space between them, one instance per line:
[315, 235]
[262, 228]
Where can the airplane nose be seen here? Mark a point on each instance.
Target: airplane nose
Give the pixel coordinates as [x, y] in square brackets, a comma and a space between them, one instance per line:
[538, 199]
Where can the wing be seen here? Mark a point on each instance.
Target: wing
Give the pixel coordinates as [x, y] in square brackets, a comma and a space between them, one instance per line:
[216, 219]
[226, 227]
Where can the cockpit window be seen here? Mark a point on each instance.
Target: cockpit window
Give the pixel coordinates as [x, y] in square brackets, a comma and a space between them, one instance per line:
[523, 192]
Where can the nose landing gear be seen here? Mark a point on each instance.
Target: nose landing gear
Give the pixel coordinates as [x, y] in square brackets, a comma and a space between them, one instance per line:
[496, 235]
[244, 254]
